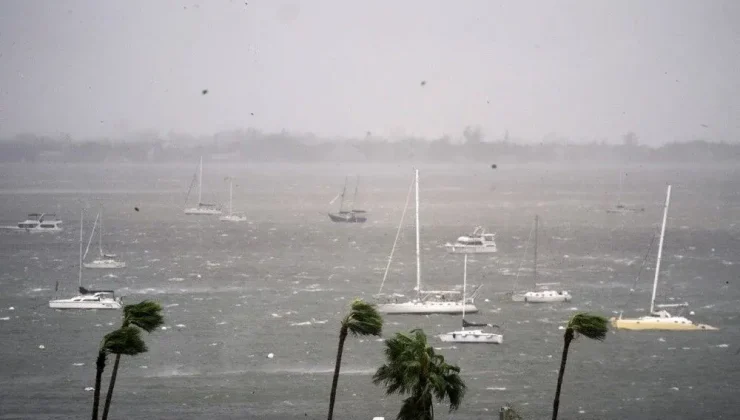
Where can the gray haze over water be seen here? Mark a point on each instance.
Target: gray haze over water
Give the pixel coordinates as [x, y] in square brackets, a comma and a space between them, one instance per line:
[233, 293]
[582, 69]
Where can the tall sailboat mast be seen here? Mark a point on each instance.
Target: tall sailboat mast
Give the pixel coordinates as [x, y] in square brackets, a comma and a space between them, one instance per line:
[344, 191]
[465, 287]
[100, 236]
[536, 225]
[660, 248]
[79, 279]
[200, 182]
[418, 255]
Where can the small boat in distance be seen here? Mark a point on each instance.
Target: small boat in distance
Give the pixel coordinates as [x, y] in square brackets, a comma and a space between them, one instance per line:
[621, 208]
[660, 320]
[105, 260]
[87, 299]
[471, 336]
[348, 216]
[540, 294]
[201, 209]
[39, 223]
[232, 217]
[478, 242]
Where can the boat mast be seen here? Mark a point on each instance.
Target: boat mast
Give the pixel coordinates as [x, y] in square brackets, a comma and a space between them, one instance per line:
[100, 236]
[344, 190]
[418, 257]
[465, 287]
[79, 279]
[660, 248]
[536, 223]
[619, 193]
[200, 182]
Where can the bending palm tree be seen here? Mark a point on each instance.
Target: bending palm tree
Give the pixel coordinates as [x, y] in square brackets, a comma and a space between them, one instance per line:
[590, 326]
[125, 340]
[413, 368]
[145, 315]
[362, 319]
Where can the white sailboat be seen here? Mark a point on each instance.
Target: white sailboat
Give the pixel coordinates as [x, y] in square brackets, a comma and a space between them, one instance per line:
[232, 217]
[87, 299]
[541, 294]
[620, 208]
[202, 209]
[105, 259]
[470, 336]
[430, 301]
[660, 319]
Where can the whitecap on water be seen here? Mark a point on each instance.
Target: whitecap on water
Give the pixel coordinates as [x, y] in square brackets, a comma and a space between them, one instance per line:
[181, 325]
[5, 318]
[78, 364]
[176, 279]
[722, 346]
[172, 305]
[89, 388]
[496, 388]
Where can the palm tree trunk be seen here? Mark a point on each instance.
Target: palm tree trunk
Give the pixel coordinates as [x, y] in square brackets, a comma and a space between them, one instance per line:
[340, 349]
[556, 404]
[99, 367]
[111, 384]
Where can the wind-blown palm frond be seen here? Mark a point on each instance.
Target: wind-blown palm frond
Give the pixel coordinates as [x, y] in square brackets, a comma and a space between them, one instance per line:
[594, 327]
[590, 326]
[125, 340]
[145, 315]
[412, 367]
[363, 319]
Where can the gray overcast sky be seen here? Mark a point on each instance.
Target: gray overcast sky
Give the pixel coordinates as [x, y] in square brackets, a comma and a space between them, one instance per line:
[588, 68]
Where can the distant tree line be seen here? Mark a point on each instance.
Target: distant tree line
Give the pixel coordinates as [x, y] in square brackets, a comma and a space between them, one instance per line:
[253, 145]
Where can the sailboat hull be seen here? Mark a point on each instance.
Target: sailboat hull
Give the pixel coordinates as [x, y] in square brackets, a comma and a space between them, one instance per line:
[471, 336]
[470, 249]
[546, 297]
[347, 218]
[77, 304]
[108, 264]
[198, 211]
[647, 323]
[423, 308]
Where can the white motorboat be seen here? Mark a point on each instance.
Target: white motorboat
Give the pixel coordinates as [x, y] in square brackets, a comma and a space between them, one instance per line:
[38, 223]
[426, 302]
[232, 217]
[201, 209]
[540, 294]
[87, 299]
[479, 242]
[471, 336]
[105, 260]
[660, 320]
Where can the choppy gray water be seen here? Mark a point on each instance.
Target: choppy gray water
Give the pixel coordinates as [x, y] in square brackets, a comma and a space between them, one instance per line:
[279, 284]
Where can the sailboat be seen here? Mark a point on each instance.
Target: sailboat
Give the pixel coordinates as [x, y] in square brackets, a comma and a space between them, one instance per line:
[105, 260]
[430, 301]
[660, 319]
[202, 209]
[232, 217]
[87, 299]
[470, 336]
[348, 216]
[621, 208]
[540, 294]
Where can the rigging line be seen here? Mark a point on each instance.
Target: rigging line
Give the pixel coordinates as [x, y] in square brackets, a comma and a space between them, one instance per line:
[398, 234]
[639, 272]
[195, 176]
[91, 236]
[524, 255]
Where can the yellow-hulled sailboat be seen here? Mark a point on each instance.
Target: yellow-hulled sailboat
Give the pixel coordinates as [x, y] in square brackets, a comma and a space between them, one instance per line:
[660, 319]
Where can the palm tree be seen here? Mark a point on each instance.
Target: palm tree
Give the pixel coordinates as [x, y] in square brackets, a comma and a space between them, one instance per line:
[125, 340]
[590, 326]
[412, 367]
[363, 319]
[147, 316]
